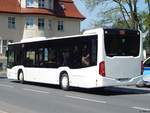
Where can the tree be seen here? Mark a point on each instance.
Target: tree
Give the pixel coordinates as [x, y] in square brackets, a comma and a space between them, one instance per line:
[147, 18]
[124, 11]
[147, 27]
[148, 4]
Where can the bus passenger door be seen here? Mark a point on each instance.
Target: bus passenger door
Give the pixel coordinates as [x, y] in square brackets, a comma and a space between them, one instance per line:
[46, 61]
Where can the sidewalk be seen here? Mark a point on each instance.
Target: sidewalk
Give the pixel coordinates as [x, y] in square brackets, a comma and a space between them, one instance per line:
[3, 74]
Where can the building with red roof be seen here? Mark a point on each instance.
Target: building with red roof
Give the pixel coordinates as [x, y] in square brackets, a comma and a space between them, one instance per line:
[37, 18]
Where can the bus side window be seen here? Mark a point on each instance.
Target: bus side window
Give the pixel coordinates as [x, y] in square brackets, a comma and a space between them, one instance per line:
[46, 52]
[30, 58]
[11, 59]
[39, 58]
[65, 56]
[50, 57]
[76, 57]
[85, 56]
[94, 52]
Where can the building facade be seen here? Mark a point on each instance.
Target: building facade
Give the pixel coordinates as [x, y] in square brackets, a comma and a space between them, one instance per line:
[37, 18]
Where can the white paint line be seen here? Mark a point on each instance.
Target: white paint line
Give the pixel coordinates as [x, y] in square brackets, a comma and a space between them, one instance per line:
[37, 91]
[3, 111]
[141, 108]
[90, 100]
[8, 86]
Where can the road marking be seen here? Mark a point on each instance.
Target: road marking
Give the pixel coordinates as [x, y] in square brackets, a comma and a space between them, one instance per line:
[3, 111]
[37, 91]
[90, 100]
[141, 108]
[3, 85]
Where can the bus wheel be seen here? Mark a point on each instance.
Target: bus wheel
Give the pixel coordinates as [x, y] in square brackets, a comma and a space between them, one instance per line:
[64, 82]
[21, 77]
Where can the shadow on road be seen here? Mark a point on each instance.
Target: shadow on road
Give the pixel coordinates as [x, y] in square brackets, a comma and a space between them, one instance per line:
[39, 84]
[107, 91]
[113, 91]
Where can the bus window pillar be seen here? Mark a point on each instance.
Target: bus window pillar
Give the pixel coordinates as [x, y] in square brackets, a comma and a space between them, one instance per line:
[1, 46]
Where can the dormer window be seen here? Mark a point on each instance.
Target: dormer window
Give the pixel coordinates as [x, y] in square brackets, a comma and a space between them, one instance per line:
[29, 3]
[41, 3]
[51, 3]
[62, 5]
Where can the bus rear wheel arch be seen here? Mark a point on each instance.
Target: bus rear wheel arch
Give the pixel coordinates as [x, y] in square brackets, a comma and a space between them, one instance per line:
[64, 81]
[21, 76]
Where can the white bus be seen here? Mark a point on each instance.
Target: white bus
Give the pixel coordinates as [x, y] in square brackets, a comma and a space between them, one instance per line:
[97, 58]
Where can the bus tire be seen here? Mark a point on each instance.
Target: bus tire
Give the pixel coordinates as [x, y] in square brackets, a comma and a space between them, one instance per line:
[21, 77]
[64, 81]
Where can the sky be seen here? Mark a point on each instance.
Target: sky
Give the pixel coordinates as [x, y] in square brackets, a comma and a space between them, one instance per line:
[84, 11]
[91, 16]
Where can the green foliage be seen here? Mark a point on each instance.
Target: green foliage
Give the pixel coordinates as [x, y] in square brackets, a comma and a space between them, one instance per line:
[147, 0]
[147, 21]
[120, 24]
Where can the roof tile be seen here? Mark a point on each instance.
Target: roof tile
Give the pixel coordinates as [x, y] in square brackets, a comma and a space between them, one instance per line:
[68, 10]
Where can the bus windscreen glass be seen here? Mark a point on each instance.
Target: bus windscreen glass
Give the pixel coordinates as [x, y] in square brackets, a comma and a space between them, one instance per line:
[122, 45]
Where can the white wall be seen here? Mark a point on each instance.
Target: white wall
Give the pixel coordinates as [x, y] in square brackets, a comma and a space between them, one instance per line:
[11, 34]
[71, 26]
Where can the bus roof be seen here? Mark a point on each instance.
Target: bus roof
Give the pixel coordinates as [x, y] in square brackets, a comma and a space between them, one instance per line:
[89, 32]
[38, 39]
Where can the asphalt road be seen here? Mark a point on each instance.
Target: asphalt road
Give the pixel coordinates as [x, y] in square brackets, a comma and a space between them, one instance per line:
[44, 98]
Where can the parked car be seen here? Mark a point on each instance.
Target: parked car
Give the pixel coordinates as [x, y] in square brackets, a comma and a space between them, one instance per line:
[146, 74]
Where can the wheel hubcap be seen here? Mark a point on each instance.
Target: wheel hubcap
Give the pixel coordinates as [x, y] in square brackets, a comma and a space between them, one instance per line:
[64, 81]
[21, 76]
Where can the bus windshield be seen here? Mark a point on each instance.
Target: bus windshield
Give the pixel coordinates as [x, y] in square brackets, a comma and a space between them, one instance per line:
[122, 45]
